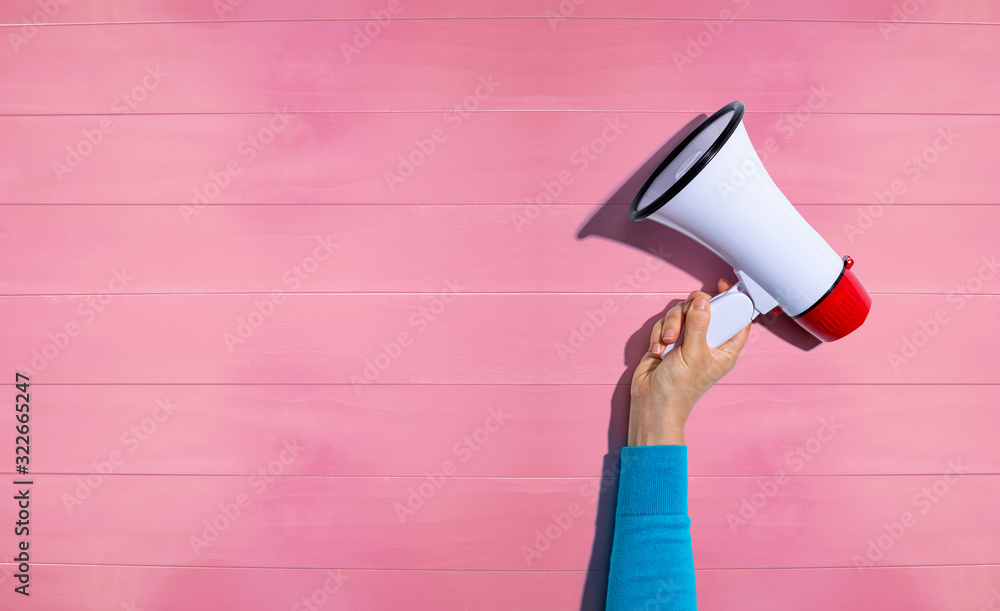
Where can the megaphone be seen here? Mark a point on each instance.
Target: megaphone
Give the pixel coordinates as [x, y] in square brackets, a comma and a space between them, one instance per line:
[713, 188]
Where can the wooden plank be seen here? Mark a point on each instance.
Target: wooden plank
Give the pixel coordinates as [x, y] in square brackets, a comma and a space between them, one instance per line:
[579, 157]
[434, 64]
[920, 588]
[18, 12]
[485, 523]
[503, 249]
[497, 431]
[186, 588]
[459, 338]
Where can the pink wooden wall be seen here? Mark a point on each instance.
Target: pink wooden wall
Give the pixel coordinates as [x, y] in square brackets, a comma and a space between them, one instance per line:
[229, 307]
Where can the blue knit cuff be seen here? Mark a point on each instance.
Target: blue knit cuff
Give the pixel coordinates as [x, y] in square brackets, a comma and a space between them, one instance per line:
[653, 481]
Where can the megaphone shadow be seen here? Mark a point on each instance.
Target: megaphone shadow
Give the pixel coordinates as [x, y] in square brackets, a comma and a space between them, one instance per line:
[611, 221]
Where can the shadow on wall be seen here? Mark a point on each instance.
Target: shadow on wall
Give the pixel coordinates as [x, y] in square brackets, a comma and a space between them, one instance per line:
[610, 221]
[595, 587]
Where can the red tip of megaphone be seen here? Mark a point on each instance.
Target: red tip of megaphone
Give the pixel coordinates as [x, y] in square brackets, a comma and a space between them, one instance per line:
[842, 310]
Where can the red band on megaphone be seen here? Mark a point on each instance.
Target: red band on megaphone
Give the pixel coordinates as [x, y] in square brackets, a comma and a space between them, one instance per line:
[842, 310]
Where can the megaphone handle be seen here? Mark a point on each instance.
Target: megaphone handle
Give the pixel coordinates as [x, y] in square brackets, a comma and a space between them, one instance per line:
[731, 311]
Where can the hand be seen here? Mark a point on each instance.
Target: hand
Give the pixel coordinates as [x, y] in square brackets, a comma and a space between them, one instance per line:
[664, 390]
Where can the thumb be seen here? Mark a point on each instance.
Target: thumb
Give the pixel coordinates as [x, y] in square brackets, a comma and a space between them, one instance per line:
[696, 325]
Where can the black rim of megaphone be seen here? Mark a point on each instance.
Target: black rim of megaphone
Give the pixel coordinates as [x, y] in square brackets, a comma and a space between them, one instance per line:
[737, 107]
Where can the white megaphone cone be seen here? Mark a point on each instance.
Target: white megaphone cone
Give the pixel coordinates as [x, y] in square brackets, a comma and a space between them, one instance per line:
[714, 189]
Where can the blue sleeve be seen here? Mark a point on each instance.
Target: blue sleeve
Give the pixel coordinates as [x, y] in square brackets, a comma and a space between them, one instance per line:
[651, 562]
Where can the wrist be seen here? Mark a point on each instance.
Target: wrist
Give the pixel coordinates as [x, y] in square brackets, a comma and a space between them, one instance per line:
[658, 425]
[671, 435]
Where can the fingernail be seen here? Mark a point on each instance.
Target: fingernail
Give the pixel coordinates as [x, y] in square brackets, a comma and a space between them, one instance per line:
[668, 335]
[700, 303]
[657, 347]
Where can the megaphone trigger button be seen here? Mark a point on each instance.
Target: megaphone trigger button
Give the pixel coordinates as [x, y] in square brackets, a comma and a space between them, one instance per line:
[848, 262]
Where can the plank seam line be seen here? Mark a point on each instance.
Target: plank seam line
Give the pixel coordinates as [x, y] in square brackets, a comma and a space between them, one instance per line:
[722, 382]
[488, 111]
[44, 205]
[498, 18]
[568, 478]
[434, 293]
[443, 570]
